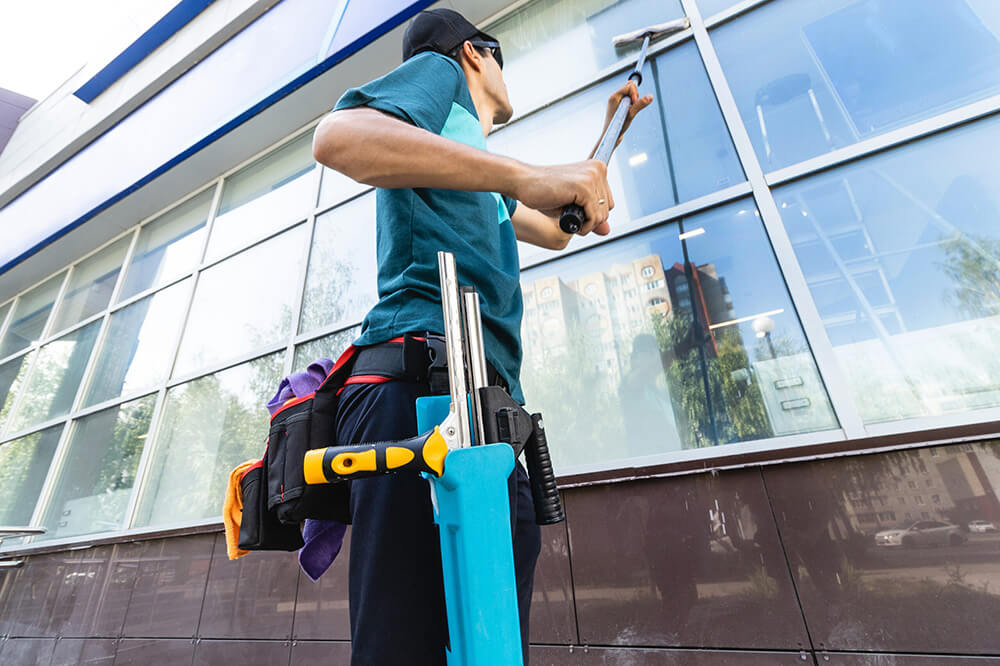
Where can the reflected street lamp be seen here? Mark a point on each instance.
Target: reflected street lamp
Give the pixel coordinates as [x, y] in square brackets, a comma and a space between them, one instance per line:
[763, 326]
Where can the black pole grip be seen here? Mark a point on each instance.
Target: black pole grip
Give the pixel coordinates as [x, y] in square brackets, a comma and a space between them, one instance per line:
[548, 506]
[572, 218]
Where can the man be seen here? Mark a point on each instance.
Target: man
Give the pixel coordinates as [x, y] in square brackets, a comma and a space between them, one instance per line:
[418, 135]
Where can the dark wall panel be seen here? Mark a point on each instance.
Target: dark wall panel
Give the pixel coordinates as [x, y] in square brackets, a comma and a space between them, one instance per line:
[684, 561]
[145, 652]
[251, 597]
[169, 587]
[561, 656]
[93, 597]
[840, 659]
[868, 578]
[28, 651]
[321, 607]
[553, 618]
[321, 653]
[84, 652]
[242, 653]
[31, 608]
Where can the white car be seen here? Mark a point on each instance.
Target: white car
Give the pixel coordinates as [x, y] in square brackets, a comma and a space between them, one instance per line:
[982, 526]
[921, 533]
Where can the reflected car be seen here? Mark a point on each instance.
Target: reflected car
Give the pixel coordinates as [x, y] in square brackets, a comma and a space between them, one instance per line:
[982, 526]
[922, 533]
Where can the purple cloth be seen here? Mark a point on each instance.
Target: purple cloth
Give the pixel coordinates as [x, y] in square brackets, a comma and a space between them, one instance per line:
[323, 538]
[323, 541]
[300, 383]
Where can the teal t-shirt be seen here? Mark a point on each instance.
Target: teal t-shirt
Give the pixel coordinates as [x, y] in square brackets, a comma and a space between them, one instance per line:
[429, 90]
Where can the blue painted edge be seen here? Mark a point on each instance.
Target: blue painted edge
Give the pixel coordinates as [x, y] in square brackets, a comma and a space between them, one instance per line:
[149, 41]
[287, 89]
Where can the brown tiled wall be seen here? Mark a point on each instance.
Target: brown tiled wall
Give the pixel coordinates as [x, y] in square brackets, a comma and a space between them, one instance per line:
[757, 566]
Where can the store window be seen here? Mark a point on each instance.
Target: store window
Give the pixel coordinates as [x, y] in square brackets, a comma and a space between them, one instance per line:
[834, 73]
[90, 285]
[24, 464]
[94, 485]
[680, 376]
[570, 38]
[168, 247]
[31, 313]
[903, 262]
[208, 427]
[676, 150]
[244, 303]
[272, 192]
[341, 285]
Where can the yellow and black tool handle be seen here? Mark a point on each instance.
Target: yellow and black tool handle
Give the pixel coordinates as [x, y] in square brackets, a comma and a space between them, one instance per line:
[423, 453]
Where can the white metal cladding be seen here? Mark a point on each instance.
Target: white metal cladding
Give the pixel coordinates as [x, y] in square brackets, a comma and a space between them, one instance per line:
[758, 185]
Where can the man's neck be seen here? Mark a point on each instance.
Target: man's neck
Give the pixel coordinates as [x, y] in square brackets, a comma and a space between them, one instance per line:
[485, 108]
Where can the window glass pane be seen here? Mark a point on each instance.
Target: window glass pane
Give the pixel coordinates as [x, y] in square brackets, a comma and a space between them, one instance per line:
[24, 463]
[136, 352]
[93, 487]
[31, 311]
[277, 189]
[89, 289]
[54, 382]
[342, 282]
[169, 246]
[4, 311]
[810, 77]
[711, 7]
[11, 376]
[243, 303]
[330, 346]
[337, 187]
[645, 176]
[570, 37]
[903, 262]
[661, 332]
[209, 426]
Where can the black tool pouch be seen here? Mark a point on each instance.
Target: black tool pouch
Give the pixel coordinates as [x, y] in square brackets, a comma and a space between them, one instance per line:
[260, 529]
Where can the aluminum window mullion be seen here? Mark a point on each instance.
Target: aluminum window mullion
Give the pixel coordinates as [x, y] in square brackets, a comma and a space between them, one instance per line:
[41, 504]
[838, 389]
[145, 459]
[56, 304]
[7, 317]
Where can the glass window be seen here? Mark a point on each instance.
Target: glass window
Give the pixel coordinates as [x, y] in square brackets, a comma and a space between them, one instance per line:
[11, 377]
[169, 246]
[90, 286]
[337, 187]
[31, 312]
[54, 381]
[24, 463]
[330, 346]
[136, 351]
[243, 303]
[274, 191]
[569, 37]
[4, 310]
[341, 284]
[669, 373]
[912, 307]
[712, 7]
[209, 426]
[833, 73]
[647, 173]
[94, 484]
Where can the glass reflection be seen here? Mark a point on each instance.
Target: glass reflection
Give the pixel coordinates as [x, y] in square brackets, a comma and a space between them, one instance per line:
[330, 346]
[572, 38]
[337, 187]
[169, 246]
[341, 285]
[834, 73]
[243, 303]
[677, 149]
[11, 377]
[24, 463]
[89, 289]
[275, 190]
[710, 8]
[661, 330]
[907, 542]
[136, 351]
[95, 482]
[209, 426]
[904, 266]
[55, 379]
[31, 312]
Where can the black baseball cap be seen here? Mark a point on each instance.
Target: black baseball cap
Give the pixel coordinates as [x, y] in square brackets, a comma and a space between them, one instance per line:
[440, 30]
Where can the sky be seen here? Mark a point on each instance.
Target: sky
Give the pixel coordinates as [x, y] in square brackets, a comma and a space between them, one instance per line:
[44, 42]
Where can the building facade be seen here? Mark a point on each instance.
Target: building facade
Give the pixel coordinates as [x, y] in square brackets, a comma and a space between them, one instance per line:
[772, 393]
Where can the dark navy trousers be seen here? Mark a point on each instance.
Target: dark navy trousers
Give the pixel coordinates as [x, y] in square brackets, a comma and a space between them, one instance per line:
[396, 589]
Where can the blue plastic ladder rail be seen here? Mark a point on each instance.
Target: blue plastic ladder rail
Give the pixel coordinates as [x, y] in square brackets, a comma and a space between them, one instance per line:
[472, 510]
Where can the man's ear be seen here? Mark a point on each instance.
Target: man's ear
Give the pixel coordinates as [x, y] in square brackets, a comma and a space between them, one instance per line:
[472, 56]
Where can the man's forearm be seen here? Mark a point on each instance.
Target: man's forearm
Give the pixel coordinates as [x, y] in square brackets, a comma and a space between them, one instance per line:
[379, 150]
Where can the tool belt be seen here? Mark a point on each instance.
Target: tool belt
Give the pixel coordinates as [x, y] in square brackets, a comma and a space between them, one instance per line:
[275, 495]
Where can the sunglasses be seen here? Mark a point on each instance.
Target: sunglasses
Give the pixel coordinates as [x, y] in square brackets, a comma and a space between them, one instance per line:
[493, 47]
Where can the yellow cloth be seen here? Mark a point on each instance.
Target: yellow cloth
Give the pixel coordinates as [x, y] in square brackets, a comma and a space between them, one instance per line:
[232, 510]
